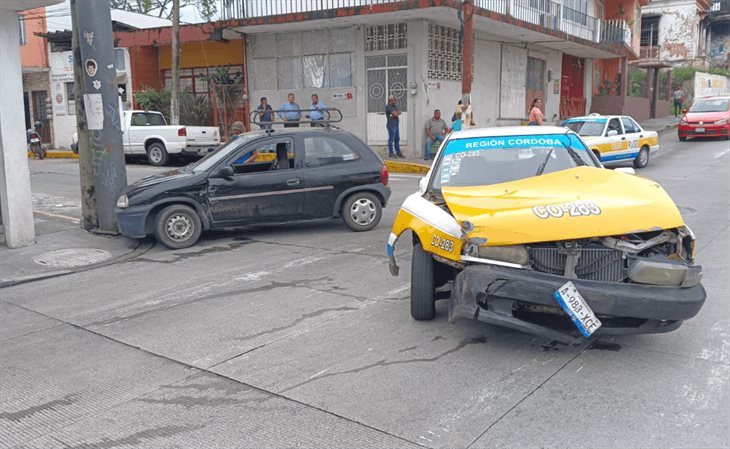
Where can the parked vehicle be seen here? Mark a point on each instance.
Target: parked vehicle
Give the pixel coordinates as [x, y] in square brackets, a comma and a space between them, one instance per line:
[147, 132]
[300, 174]
[708, 117]
[531, 233]
[615, 138]
[33, 137]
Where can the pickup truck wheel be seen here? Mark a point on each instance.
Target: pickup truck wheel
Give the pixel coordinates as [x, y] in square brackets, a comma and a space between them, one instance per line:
[423, 290]
[157, 154]
[642, 159]
[362, 211]
[178, 226]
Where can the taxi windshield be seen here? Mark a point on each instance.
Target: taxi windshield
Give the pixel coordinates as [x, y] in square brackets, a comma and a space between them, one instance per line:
[588, 127]
[493, 160]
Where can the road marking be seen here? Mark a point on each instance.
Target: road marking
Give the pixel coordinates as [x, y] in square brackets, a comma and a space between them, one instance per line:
[59, 216]
[721, 154]
[398, 290]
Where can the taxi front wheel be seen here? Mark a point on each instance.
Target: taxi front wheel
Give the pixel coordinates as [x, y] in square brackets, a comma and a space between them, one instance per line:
[423, 288]
[642, 159]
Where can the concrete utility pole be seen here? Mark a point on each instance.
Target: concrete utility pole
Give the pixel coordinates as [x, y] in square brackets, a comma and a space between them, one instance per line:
[467, 69]
[175, 95]
[101, 156]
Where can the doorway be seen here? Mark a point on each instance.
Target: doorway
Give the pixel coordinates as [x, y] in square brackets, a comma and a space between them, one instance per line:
[386, 75]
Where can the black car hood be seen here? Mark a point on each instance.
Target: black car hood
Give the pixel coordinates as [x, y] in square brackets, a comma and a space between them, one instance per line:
[178, 173]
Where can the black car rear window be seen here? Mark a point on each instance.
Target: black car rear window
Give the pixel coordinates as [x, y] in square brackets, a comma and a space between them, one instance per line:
[326, 150]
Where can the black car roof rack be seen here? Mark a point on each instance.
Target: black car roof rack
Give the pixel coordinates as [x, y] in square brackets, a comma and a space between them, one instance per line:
[331, 115]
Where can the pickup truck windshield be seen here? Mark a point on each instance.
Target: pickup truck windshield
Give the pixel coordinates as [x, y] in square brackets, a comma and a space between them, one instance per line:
[493, 160]
[590, 127]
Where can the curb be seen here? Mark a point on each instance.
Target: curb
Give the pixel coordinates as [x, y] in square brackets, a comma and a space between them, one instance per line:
[667, 128]
[406, 167]
[57, 155]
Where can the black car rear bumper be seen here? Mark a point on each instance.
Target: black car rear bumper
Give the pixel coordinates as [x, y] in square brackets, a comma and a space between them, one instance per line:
[490, 293]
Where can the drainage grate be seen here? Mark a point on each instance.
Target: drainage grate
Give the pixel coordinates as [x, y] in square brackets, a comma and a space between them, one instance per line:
[72, 257]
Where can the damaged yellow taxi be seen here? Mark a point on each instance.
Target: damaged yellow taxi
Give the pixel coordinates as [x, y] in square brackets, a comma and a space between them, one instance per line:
[522, 227]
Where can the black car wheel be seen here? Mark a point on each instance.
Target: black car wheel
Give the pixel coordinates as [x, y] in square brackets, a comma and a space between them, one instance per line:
[642, 159]
[682, 138]
[157, 154]
[423, 289]
[362, 211]
[178, 226]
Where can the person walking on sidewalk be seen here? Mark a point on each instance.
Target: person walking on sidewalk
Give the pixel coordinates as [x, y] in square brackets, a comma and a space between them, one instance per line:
[535, 116]
[436, 129]
[392, 113]
[678, 98]
[292, 112]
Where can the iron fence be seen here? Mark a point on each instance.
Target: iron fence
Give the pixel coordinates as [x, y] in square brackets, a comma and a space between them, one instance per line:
[616, 30]
[544, 13]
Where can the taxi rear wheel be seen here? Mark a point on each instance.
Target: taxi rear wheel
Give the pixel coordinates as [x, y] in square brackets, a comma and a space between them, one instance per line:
[642, 159]
[423, 289]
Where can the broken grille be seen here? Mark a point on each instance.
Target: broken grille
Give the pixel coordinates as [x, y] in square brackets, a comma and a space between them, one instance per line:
[596, 264]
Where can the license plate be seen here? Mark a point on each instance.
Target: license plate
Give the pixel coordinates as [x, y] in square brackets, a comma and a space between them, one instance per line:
[34, 140]
[573, 303]
[700, 130]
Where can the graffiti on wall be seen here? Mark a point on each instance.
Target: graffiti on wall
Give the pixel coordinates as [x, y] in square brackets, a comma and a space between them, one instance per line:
[710, 85]
[719, 51]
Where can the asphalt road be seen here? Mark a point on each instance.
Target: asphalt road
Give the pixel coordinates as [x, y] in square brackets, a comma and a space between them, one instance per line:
[299, 336]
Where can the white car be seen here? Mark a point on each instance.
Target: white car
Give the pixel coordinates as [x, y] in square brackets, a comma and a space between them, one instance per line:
[615, 138]
[147, 132]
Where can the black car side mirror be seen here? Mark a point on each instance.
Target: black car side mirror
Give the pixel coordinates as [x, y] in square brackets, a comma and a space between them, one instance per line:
[225, 172]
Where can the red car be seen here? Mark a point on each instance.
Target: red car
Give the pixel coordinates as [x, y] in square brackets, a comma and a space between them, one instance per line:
[708, 117]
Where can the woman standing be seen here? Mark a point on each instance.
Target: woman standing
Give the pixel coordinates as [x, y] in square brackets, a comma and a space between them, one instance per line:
[536, 114]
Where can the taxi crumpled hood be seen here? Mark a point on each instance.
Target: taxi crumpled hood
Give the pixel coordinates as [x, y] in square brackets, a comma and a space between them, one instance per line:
[584, 201]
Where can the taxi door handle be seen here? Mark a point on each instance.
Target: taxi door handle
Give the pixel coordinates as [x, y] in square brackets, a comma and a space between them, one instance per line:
[623, 138]
[640, 136]
[293, 182]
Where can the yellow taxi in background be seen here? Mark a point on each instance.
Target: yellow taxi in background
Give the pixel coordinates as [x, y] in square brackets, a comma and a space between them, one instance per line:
[615, 138]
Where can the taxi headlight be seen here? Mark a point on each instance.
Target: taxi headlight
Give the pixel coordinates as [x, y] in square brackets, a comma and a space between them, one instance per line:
[510, 253]
[123, 202]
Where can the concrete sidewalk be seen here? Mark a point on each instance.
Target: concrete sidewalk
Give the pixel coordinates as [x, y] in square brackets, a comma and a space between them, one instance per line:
[62, 247]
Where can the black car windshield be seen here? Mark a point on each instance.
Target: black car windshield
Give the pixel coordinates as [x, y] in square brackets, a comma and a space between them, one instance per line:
[493, 160]
[710, 105]
[586, 127]
[211, 159]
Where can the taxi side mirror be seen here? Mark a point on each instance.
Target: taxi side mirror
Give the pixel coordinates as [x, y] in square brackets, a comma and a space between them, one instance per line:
[612, 132]
[422, 185]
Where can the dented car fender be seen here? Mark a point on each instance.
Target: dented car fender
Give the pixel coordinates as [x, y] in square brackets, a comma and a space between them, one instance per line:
[438, 232]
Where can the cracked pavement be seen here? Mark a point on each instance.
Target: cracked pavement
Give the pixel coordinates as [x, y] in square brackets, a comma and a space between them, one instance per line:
[297, 336]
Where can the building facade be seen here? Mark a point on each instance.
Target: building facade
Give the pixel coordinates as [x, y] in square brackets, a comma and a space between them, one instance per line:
[34, 61]
[356, 55]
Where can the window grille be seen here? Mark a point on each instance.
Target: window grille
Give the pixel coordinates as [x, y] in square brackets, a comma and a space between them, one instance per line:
[444, 53]
[386, 37]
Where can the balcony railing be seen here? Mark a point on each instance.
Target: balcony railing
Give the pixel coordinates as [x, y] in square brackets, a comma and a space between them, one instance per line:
[544, 13]
[616, 30]
[652, 52]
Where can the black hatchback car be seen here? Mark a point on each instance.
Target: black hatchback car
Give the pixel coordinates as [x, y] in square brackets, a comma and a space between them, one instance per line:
[299, 174]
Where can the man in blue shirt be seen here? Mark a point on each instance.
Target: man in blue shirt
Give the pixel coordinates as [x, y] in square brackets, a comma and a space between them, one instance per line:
[315, 111]
[292, 112]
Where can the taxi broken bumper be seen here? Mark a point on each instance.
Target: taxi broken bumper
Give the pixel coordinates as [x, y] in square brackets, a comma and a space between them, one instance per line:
[500, 296]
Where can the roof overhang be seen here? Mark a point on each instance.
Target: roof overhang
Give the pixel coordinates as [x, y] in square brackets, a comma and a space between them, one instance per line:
[35, 69]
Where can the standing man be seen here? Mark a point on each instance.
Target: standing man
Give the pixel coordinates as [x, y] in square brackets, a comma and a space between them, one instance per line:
[436, 129]
[266, 116]
[392, 113]
[292, 112]
[315, 111]
[678, 97]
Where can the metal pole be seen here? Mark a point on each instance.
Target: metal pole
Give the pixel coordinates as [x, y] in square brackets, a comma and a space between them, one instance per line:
[175, 94]
[101, 164]
[467, 73]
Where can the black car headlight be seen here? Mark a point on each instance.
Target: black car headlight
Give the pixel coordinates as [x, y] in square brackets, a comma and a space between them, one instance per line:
[123, 202]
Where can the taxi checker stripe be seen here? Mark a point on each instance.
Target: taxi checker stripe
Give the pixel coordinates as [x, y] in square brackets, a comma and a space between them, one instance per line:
[272, 193]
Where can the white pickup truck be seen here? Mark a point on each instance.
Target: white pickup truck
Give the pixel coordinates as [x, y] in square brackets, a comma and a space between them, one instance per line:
[147, 132]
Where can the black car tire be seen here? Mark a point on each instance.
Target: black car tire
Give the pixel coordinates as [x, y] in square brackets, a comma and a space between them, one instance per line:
[178, 226]
[642, 159]
[157, 154]
[362, 211]
[423, 289]
[682, 139]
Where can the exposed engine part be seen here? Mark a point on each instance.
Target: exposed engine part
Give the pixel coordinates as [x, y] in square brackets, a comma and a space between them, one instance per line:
[632, 248]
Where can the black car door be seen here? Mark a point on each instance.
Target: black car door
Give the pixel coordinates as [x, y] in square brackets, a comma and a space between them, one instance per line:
[331, 166]
[263, 192]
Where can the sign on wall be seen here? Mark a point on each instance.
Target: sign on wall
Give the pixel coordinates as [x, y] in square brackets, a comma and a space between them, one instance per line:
[62, 72]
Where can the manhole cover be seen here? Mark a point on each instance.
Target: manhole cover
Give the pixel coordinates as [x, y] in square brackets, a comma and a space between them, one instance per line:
[72, 257]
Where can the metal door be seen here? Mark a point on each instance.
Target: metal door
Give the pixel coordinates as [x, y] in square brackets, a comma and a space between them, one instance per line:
[535, 83]
[386, 75]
